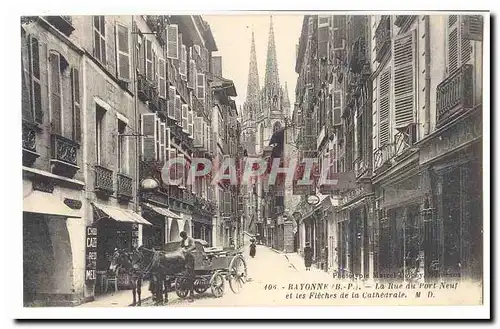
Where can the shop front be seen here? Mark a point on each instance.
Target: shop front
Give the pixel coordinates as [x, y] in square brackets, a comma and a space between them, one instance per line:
[53, 235]
[161, 218]
[202, 228]
[115, 228]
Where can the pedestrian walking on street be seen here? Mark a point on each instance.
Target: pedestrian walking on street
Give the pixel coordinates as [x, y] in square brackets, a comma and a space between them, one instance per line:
[253, 248]
[188, 247]
[308, 256]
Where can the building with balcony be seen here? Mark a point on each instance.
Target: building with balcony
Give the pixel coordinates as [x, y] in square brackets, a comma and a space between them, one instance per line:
[53, 163]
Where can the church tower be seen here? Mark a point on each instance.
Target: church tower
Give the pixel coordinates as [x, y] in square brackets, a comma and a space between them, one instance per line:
[251, 107]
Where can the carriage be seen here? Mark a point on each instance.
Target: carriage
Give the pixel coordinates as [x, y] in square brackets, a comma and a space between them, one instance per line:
[213, 267]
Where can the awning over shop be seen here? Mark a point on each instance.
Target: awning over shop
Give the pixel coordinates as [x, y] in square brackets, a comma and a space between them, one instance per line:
[163, 211]
[48, 204]
[121, 215]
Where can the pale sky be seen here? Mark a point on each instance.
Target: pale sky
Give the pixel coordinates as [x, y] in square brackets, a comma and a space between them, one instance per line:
[233, 36]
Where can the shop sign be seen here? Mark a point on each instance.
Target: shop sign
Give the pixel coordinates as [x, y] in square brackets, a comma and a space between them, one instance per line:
[90, 254]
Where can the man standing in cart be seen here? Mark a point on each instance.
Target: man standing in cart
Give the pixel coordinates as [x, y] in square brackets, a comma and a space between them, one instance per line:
[188, 247]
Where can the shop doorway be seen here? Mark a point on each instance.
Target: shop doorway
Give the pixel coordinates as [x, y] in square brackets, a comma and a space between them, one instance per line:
[174, 231]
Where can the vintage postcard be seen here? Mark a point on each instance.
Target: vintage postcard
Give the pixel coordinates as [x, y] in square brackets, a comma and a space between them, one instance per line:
[260, 159]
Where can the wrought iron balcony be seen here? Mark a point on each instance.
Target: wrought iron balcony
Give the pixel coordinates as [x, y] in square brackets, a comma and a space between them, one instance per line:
[454, 94]
[124, 190]
[62, 23]
[103, 180]
[64, 156]
[157, 25]
[405, 139]
[383, 37]
[143, 88]
[383, 155]
[29, 143]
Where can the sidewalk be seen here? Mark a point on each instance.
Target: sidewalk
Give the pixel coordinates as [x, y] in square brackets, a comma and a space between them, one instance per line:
[121, 298]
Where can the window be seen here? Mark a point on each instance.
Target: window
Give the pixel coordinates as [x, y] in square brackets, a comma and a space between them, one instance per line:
[172, 41]
[100, 38]
[200, 83]
[462, 30]
[198, 126]
[171, 102]
[75, 91]
[190, 123]
[178, 109]
[55, 71]
[123, 52]
[337, 108]
[404, 78]
[185, 117]
[150, 132]
[384, 106]
[338, 31]
[122, 148]
[149, 60]
[99, 132]
[163, 141]
[33, 79]
[192, 74]
[183, 64]
[162, 81]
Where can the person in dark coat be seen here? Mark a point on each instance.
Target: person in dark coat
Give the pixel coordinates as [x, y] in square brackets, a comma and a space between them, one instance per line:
[253, 248]
[308, 256]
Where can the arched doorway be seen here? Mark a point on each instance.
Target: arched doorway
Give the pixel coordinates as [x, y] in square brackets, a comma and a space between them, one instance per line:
[174, 231]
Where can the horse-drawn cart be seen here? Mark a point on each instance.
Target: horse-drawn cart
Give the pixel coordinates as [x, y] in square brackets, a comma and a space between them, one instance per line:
[213, 267]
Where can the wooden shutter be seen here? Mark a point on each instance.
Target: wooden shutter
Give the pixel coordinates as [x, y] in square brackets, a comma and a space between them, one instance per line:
[204, 58]
[190, 122]
[384, 107]
[36, 88]
[171, 102]
[453, 37]
[140, 54]
[200, 84]
[338, 31]
[123, 52]
[198, 126]
[172, 154]
[162, 138]
[162, 78]
[227, 202]
[209, 139]
[75, 89]
[172, 41]
[149, 59]
[185, 109]
[167, 142]
[337, 108]
[192, 74]
[183, 64]
[178, 109]
[323, 37]
[55, 92]
[27, 109]
[148, 129]
[472, 27]
[404, 78]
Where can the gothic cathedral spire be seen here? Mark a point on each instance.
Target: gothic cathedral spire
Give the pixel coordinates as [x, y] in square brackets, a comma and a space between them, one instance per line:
[253, 87]
[271, 81]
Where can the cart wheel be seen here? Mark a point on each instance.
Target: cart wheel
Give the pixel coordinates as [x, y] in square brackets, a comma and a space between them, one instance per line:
[217, 284]
[200, 285]
[237, 274]
[181, 288]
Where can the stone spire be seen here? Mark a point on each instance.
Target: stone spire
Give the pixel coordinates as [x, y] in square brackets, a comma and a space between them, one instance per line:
[271, 81]
[286, 99]
[253, 87]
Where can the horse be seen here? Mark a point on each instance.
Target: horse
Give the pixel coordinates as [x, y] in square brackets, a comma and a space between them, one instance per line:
[164, 264]
[128, 262]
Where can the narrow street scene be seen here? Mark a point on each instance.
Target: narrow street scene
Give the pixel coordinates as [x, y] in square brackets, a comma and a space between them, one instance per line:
[231, 160]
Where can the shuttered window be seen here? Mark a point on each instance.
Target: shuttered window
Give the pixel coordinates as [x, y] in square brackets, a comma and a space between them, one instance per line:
[337, 108]
[35, 84]
[161, 153]
[185, 109]
[200, 86]
[172, 154]
[172, 41]
[183, 64]
[148, 129]
[171, 102]
[384, 106]
[149, 60]
[190, 122]
[227, 202]
[178, 108]
[192, 74]
[123, 52]
[27, 110]
[462, 31]
[100, 38]
[204, 59]
[55, 92]
[404, 78]
[140, 54]
[198, 131]
[162, 79]
[75, 95]
[323, 37]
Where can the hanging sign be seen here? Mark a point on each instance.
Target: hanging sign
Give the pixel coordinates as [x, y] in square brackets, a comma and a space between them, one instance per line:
[90, 254]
